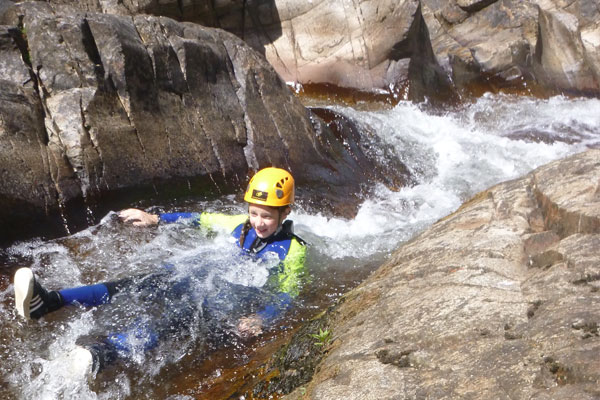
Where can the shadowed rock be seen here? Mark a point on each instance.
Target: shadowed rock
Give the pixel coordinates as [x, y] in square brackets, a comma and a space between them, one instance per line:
[97, 104]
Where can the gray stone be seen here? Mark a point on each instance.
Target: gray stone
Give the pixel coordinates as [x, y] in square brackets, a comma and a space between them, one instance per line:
[567, 54]
[497, 41]
[460, 311]
[120, 102]
[477, 44]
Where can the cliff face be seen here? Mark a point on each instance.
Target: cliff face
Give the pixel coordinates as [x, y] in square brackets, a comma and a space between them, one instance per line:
[411, 48]
[499, 300]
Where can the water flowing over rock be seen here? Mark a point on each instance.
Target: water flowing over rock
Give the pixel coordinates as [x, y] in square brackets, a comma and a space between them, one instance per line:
[498, 300]
[97, 103]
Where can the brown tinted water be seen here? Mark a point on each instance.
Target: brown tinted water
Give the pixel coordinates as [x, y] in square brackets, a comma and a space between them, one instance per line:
[226, 371]
[323, 94]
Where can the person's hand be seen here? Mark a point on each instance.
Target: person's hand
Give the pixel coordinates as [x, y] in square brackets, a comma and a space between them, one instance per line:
[138, 217]
[250, 326]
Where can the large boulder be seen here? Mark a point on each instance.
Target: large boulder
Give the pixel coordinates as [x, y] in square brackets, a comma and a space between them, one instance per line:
[415, 48]
[365, 45]
[93, 104]
[410, 48]
[552, 45]
[499, 300]
[357, 44]
[483, 42]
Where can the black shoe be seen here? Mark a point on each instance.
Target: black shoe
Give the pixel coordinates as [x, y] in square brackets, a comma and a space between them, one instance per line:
[103, 355]
[31, 299]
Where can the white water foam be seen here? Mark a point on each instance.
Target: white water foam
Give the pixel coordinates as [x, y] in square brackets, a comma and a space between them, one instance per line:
[453, 155]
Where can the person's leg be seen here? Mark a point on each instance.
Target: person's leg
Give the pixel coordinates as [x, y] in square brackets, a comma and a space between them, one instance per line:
[174, 298]
[88, 296]
[97, 353]
[33, 301]
[144, 333]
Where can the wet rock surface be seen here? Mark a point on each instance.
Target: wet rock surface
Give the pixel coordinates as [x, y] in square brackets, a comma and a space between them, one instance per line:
[500, 299]
[94, 104]
[294, 364]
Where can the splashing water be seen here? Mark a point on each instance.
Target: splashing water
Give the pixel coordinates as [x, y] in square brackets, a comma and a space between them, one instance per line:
[452, 155]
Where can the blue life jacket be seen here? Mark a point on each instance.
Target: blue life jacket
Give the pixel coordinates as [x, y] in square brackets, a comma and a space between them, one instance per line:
[278, 243]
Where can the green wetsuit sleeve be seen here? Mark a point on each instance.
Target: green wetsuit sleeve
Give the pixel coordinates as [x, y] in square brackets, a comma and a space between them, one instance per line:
[293, 270]
[217, 220]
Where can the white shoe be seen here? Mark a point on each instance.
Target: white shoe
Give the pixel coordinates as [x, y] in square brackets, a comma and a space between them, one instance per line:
[79, 363]
[32, 301]
[23, 284]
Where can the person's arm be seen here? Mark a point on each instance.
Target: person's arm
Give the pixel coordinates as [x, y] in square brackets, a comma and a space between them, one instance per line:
[207, 220]
[289, 281]
[138, 217]
[179, 217]
[293, 271]
[218, 220]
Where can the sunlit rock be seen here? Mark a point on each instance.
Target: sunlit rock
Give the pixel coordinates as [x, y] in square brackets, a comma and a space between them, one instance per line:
[399, 46]
[564, 59]
[500, 297]
[365, 45]
[492, 39]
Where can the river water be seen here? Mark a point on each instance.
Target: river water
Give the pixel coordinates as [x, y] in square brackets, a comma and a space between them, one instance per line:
[453, 154]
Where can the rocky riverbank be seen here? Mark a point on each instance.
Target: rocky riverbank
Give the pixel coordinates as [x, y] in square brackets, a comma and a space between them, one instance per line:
[499, 300]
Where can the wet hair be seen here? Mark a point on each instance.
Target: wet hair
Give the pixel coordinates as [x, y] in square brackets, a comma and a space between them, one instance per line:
[245, 230]
[247, 224]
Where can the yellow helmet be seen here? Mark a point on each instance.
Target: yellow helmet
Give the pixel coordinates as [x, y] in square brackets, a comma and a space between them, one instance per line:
[271, 187]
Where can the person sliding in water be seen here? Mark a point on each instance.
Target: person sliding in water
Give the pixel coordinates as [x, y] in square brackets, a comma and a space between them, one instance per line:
[262, 234]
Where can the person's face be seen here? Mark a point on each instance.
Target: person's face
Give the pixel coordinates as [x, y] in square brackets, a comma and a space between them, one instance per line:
[265, 220]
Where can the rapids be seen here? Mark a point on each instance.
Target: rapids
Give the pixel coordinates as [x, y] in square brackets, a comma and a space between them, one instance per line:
[452, 154]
